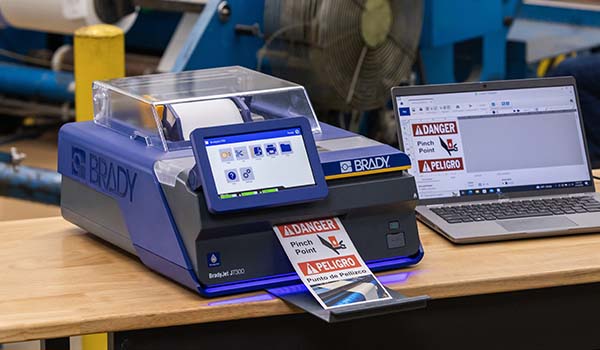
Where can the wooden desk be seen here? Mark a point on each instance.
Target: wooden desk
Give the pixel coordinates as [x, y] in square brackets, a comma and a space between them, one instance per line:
[56, 280]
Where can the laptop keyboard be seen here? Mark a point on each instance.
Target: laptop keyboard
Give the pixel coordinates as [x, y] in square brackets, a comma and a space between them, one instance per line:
[517, 209]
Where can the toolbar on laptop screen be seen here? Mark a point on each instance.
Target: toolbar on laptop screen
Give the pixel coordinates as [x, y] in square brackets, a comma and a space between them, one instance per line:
[490, 142]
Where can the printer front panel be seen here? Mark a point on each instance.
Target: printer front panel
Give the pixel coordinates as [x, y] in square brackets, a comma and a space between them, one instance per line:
[259, 255]
[378, 213]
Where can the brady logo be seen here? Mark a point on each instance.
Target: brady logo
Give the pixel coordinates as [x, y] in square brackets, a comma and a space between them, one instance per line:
[371, 163]
[78, 161]
[111, 177]
[346, 167]
[103, 173]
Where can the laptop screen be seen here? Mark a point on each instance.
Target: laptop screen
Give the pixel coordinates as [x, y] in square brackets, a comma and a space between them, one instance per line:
[491, 142]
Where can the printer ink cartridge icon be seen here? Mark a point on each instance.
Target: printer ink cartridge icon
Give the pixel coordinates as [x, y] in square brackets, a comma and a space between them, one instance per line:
[78, 161]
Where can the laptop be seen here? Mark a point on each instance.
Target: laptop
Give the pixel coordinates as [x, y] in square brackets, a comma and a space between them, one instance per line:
[498, 160]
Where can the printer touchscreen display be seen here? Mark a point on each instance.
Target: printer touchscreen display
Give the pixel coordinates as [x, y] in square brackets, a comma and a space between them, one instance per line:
[257, 163]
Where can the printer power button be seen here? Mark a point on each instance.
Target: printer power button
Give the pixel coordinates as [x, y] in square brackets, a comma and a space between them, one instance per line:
[396, 240]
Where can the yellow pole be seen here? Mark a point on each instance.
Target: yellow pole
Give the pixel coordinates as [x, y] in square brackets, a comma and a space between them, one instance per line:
[99, 55]
[94, 342]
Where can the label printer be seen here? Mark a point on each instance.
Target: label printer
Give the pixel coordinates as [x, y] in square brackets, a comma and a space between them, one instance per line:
[190, 172]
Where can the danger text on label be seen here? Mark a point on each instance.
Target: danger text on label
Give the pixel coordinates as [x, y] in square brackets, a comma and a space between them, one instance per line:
[438, 128]
[308, 227]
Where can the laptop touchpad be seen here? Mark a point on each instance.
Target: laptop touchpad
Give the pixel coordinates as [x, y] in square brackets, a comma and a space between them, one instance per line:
[532, 224]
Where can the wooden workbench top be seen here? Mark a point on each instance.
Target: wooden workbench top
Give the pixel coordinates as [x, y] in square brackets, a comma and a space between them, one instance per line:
[56, 280]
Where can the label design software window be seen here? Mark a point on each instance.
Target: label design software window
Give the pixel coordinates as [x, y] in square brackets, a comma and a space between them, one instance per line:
[483, 142]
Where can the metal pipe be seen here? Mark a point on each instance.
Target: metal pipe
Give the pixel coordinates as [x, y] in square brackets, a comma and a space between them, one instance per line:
[38, 82]
[173, 5]
[5, 157]
[21, 108]
[33, 184]
[135, 64]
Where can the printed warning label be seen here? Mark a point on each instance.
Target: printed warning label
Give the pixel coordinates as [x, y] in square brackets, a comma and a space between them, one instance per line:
[328, 263]
[439, 165]
[435, 128]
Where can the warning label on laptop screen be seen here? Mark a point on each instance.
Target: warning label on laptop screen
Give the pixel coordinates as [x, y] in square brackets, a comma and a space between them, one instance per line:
[438, 147]
[474, 143]
[328, 263]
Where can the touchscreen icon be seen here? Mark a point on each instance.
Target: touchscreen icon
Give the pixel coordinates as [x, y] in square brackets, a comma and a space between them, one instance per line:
[226, 154]
[241, 153]
[286, 147]
[247, 174]
[257, 151]
[271, 149]
[232, 175]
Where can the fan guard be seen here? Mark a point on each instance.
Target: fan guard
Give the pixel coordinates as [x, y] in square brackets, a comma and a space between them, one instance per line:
[347, 53]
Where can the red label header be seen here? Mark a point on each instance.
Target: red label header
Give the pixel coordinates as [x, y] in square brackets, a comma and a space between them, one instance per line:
[308, 227]
[329, 265]
[438, 165]
[437, 128]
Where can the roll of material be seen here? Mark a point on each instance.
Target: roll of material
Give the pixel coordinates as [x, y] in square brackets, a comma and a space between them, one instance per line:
[203, 114]
[56, 16]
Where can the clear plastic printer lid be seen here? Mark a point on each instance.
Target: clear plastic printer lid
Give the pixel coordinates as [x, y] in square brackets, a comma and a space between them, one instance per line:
[163, 109]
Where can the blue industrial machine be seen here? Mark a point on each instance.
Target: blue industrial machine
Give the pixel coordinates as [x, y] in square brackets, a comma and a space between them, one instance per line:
[447, 23]
[292, 28]
[345, 53]
[190, 171]
[547, 29]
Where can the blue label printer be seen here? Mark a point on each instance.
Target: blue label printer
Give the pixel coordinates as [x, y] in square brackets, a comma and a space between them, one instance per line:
[190, 171]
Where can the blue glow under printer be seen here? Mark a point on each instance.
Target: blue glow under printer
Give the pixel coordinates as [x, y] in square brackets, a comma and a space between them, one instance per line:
[190, 171]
